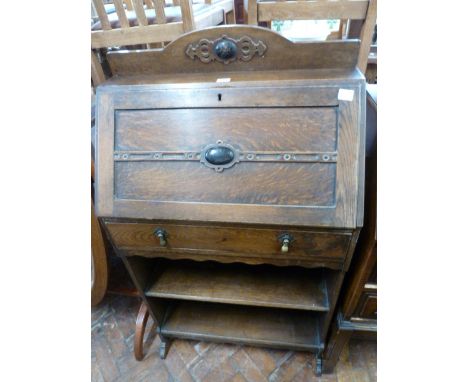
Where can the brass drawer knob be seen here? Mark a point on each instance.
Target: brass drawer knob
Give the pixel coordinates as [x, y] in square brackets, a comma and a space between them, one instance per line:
[285, 240]
[162, 235]
[285, 246]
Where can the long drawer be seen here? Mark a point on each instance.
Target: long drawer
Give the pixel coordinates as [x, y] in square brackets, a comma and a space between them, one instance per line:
[218, 242]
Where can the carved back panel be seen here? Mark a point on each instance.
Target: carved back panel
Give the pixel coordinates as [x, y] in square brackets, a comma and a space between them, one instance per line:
[261, 48]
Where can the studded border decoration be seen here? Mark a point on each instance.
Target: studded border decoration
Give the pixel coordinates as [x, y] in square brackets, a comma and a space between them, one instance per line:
[250, 156]
[240, 156]
[226, 49]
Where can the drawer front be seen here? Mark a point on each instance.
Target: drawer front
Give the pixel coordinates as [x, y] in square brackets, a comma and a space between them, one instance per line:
[229, 241]
[294, 166]
[367, 307]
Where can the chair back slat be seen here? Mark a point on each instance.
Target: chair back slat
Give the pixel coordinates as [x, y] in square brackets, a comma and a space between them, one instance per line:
[149, 4]
[101, 12]
[367, 32]
[138, 35]
[160, 12]
[140, 12]
[187, 15]
[121, 14]
[129, 4]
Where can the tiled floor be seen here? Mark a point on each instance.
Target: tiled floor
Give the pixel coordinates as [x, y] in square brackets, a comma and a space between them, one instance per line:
[113, 324]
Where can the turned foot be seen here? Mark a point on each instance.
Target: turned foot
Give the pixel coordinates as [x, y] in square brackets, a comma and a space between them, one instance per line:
[141, 321]
[318, 366]
[164, 347]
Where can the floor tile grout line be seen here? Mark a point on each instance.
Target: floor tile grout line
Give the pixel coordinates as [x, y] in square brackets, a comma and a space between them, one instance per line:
[255, 364]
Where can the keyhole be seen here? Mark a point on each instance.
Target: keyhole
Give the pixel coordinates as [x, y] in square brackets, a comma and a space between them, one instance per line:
[219, 96]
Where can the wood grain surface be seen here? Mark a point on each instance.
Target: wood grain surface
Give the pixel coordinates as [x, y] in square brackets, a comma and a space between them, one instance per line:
[295, 97]
[260, 129]
[311, 10]
[266, 184]
[240, 324]
[112, 359]
[146, 188]
[253, 242]
[235, 284]
[280, 54]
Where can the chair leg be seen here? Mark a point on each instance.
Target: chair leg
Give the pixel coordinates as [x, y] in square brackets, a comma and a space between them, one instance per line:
[141, 322]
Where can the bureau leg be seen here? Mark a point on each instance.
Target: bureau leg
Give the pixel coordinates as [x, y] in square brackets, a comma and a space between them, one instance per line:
[336, 342]
[164, 347]
[140, 327]
[318, 365]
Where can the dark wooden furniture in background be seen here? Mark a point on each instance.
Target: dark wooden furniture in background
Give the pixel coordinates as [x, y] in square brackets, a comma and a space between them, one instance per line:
[357, 313]
[230, 178]
[259, 11]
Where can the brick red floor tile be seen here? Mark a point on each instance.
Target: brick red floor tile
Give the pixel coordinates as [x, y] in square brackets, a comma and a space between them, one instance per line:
[176, 366]
[200, 369]
[186, 351]
[279, 355]
[96, 375]
[262, 359]
[112, 356]
[238, 378]
[202, 347]
[307, 374]
[221, 373]
[244, 364]
[292, 366]
[216, 354]
[104, 358]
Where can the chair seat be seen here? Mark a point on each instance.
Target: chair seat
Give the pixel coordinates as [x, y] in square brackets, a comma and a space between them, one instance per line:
[173, 14]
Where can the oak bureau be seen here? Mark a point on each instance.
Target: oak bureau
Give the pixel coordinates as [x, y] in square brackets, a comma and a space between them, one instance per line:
[230, 179]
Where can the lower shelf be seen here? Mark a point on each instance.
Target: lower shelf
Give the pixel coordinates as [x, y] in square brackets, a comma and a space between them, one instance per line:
[279, 328]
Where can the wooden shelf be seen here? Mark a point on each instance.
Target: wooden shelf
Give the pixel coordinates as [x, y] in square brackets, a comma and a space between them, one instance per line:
[254, 286]
[280, 328]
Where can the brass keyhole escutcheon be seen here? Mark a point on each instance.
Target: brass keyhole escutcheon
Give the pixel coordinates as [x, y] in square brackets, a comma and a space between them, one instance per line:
[285, 240]
[162, 235]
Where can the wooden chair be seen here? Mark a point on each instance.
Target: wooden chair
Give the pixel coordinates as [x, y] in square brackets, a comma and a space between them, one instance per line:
[366, 10]
[139, 22]
[227, 6]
